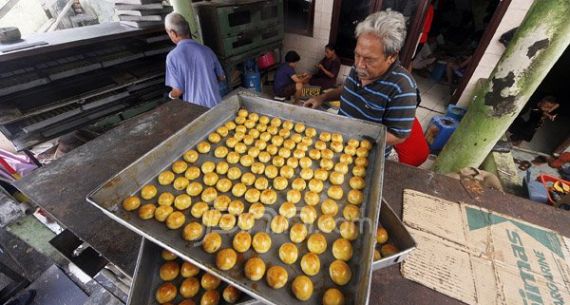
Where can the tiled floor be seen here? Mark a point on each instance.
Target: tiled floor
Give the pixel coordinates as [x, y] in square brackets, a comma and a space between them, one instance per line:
[435, 97]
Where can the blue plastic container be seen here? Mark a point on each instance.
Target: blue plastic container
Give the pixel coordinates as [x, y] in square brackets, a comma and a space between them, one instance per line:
[455, 112]
[439, 131]
[252, 80]
[536, 190]
[438, 70]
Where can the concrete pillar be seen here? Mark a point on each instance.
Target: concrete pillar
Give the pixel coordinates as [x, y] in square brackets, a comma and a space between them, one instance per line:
[540, 40]
[184, 8]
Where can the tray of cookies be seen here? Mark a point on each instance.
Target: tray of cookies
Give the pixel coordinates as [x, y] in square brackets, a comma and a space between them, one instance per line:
[280, 201]
[161, 277]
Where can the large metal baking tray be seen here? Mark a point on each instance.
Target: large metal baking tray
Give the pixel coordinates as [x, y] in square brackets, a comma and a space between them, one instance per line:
[109, 195]
[146, 279]
[398, 236]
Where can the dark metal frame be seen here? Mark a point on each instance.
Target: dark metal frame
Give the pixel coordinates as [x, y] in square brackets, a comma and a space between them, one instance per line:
[18, 284]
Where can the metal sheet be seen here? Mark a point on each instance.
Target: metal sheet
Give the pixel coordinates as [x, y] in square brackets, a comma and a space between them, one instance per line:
[398, 236]
[146, 279]
[109, 196]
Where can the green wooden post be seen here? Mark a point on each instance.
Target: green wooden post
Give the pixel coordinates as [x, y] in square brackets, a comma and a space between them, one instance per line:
[184, 8]
[540, 40]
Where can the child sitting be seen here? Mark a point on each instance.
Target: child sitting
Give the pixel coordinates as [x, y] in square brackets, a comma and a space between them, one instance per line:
[287, 82]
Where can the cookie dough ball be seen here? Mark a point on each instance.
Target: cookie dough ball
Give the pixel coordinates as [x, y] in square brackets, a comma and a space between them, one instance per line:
[283, 153]
[302, 287]
[211, 243]
[234, 173]
[240, 132]
[288, 253]
[249, 123]
[337, 147]
[359, 171]
[233, 157]
[231, 294]
[166, 178]
[308, 214]
[350, 150]
[248, 179]
[299, 127]
[131, 203]
[316, 185]
[225, 130]
[311, 198]
[349, 230]
[261, 242]
[317, 243]
[381, 235]
[253, 152]
[263, 139]
[148, 192]
[250, 137]
[236, 207]
[305, 162]
[275, 122]
[315, 154]
[293, 162]
[221, 152]
[189, 287]
[261, 128]
[327, 154]
[388, 249]
[289, 143]
[261, 183]
[342, 249]
[298, 153]
[329, 207]
[293, 196]
[288, 210]
[254, 268]
[355, 197]
[210, 179]
[351, 212]
[209, 195]
[362, 152]
[268, 197]
[194, 189]
[239, 189]
[299, 184]
[208, 167]
[344, 158]
[361, 161]
[279, 224]
[335, 192]
[280, 183]
[162, 212]
[147, 211]
[165, 293]
[198, 209]
[277, 141]
[240, 120]
[340, 272]
[169, 271]
[192, 173]
[326, 223]
[288, 125]
[224, 185]
[246, 160]
[222, 202]
[175, 220]
[258, 168]
[189, 270]
[180, 183]
[276, 277]
[246, 221]
[211, 218]
[306, 174]
[341, 167]
[192, 231]
[357, 183]
[210, 281]
[325, 136]
[214, 138]
[306, 141]
[226, 259]
[271, 171]
[257, 210]
[167, 255]
[240, 148]
[227, 222]
[231, 142]
[253, 116]
[298, 233]
[243, 113]
[272, 150]
[333, 296]
[327, 164]
[191, 156]
[321, 174]
[242, 241]
[203, 147]
[252, 195]
[310, 264]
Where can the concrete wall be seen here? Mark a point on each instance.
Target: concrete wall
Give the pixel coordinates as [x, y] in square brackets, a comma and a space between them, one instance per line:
[27, 15]
[513, 18]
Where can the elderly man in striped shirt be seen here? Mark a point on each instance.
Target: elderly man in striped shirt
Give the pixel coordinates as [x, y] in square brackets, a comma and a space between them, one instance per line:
[378, 88]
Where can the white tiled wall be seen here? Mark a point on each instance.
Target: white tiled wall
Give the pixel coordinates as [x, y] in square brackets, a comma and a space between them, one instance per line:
[513, 17]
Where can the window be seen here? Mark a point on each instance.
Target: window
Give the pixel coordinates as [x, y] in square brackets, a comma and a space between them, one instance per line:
[299, 16]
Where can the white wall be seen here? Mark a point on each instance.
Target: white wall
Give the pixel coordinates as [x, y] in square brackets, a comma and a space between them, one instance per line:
[513, 17]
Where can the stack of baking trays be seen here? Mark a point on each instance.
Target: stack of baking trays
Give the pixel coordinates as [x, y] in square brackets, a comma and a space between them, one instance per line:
[280, 202]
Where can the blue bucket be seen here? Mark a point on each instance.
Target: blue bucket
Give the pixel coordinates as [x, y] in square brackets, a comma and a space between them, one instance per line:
[439, 131]
[252, 80]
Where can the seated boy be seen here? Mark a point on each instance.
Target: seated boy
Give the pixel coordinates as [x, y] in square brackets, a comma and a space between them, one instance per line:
[287, 82]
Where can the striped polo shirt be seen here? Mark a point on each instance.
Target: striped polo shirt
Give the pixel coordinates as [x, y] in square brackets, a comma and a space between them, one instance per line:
[391, 100]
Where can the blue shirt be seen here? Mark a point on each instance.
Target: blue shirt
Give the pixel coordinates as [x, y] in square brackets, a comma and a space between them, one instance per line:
[194, 68]
[283, 77]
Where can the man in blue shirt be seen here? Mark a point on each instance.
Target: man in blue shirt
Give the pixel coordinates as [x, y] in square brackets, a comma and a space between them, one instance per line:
[192, 69]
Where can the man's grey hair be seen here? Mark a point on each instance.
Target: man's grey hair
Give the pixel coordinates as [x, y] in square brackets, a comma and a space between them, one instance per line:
[389, 26]
[177, 23]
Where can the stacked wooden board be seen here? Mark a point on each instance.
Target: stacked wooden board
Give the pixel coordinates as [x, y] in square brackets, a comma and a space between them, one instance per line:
[141, 13]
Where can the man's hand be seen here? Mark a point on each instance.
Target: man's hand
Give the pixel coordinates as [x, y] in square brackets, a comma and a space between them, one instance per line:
[313, 102]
